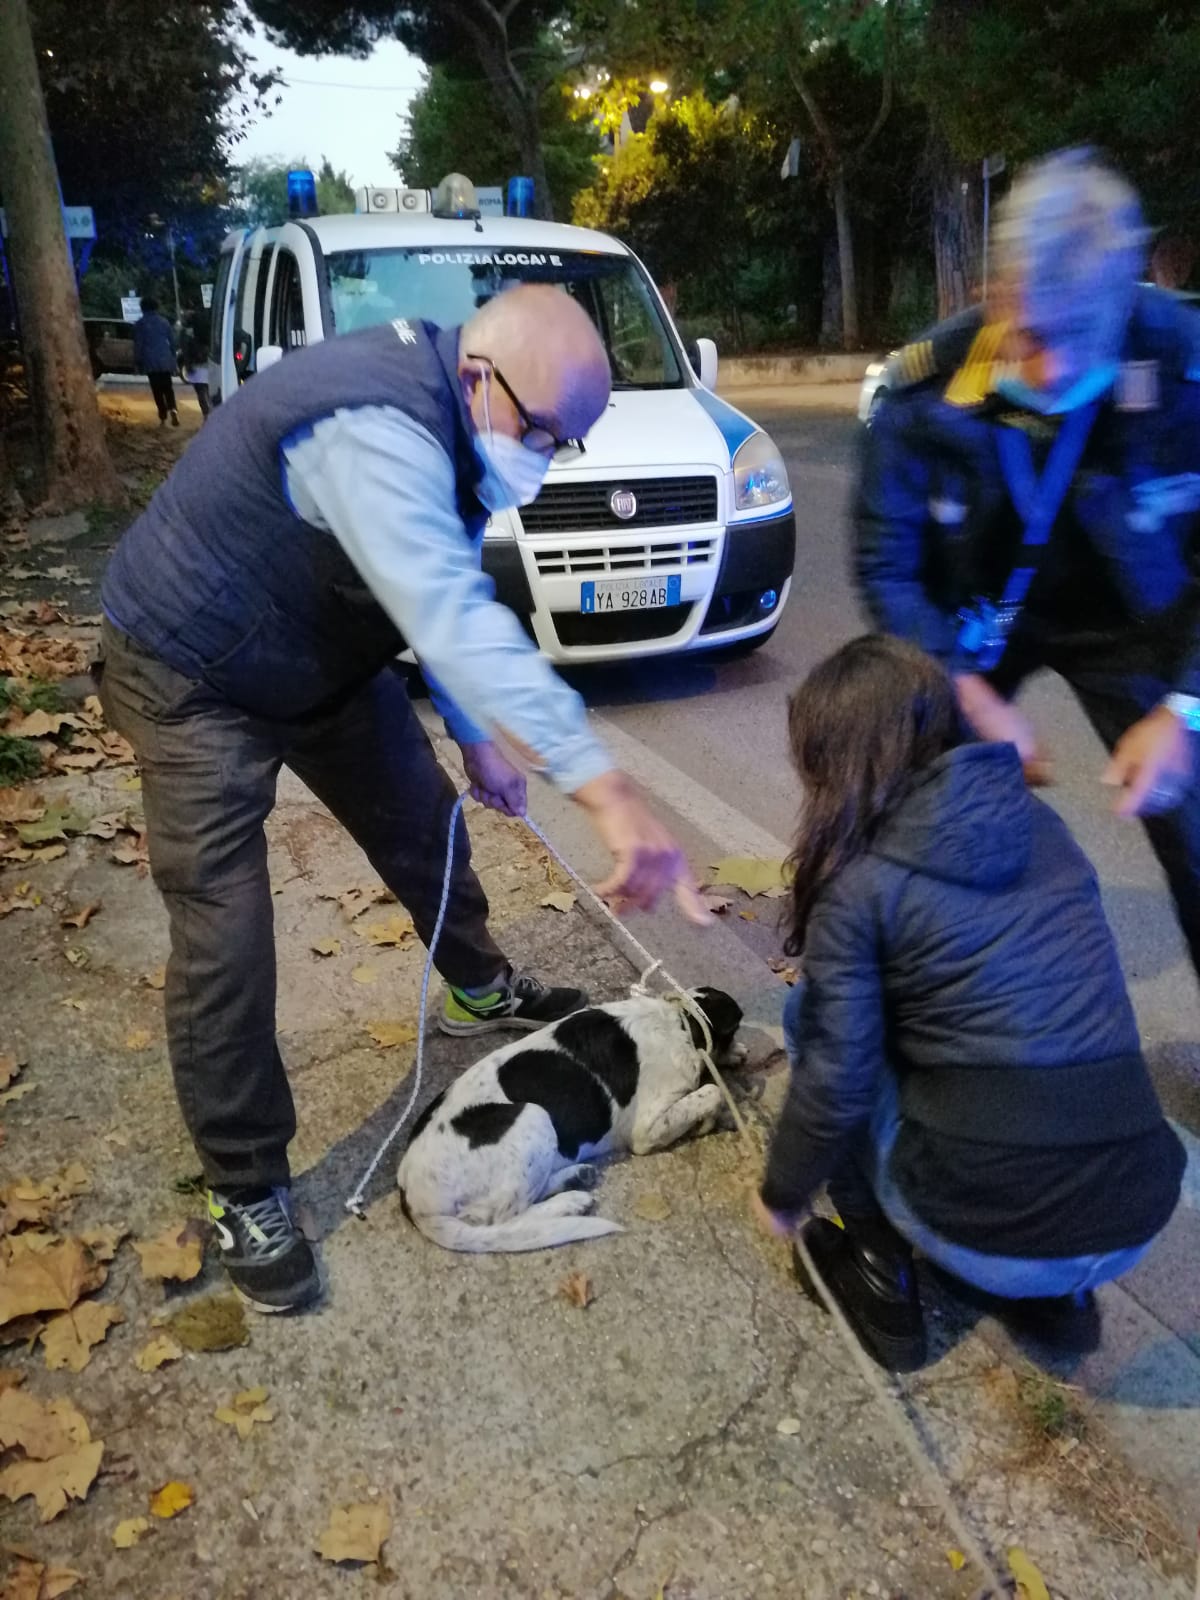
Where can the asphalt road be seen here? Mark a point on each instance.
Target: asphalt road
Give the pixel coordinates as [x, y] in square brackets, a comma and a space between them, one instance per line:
[709, 741]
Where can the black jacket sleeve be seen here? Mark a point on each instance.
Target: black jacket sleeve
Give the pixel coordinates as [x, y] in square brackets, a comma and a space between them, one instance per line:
[892, 527]
[835, 1076]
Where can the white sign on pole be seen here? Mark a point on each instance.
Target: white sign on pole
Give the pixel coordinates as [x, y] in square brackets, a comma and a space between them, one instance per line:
[79, 221]
[491, 202]
[131, 307]
[206, 290]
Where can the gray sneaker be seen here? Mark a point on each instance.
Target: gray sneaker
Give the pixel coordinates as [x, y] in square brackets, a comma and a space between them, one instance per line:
[269, 1261]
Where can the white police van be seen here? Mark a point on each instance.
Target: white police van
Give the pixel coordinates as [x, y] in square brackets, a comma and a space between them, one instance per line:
[674, 531]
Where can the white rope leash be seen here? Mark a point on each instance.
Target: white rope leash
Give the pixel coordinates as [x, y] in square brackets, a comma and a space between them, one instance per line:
[355, 1203]
[892, 1406]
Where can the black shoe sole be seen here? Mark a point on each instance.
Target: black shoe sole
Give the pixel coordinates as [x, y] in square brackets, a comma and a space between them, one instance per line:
[894, 1352]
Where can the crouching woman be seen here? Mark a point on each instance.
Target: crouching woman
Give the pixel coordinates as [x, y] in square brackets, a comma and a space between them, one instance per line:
[966, 1069]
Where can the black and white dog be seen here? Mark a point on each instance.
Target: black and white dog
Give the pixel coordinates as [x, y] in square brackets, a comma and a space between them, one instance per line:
[500, 1160]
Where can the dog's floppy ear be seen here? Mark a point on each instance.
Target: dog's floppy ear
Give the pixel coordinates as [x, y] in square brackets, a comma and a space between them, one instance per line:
[722, 1013]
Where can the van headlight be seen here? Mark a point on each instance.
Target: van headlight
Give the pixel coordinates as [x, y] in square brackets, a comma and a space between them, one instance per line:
[759, 475]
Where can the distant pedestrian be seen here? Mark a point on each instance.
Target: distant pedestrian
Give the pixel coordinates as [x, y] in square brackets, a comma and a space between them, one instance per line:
[194, 363]
[154, 354]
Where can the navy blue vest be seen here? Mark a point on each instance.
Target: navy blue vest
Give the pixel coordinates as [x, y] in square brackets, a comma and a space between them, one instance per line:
[220, 578]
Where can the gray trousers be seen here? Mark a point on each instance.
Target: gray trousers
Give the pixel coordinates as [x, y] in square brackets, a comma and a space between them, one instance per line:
[208, 784]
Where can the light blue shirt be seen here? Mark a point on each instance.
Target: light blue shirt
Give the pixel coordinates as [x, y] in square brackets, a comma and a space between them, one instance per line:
[385, 489]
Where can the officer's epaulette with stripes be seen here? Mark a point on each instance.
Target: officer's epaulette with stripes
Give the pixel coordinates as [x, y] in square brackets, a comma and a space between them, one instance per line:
[936, 354]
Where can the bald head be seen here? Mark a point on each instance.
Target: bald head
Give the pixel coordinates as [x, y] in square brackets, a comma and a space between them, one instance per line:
[548, 349]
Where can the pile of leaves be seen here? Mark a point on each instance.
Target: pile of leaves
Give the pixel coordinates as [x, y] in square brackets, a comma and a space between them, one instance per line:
[37, 735]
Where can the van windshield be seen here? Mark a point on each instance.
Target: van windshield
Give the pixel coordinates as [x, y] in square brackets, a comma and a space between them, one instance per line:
[447, 286]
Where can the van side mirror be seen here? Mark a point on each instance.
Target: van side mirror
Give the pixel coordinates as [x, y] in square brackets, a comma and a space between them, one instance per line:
[268, 355]
[706, 362]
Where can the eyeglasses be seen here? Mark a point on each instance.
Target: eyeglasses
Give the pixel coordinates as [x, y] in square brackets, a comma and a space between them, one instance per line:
[535, 436]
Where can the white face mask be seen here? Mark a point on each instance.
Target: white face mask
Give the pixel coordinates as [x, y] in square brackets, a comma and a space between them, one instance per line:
[512, 475]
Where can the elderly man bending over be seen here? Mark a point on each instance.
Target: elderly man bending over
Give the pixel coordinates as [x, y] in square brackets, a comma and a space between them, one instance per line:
[330, 511]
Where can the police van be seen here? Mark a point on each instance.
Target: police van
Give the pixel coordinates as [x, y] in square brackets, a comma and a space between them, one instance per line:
[675, 529]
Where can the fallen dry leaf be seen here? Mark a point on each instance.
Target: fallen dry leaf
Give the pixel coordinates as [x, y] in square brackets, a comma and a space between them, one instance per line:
[396, 932]
[104, 1241]
[789, 1427]
[53, 1279]
[156, 979]
[751, 874]
[77, 957]
[956, 1559]
[355, 1533]
[56, 1482]
[35, 1580]
[176, 1253]
[132, 784]
[106, 827]
[131, 852]
[161, 1349]
[68, 1340]
[139, 1039]
[576, 1288]
[55, 823]
[20, 805]
[21, 1330]
[40, 1431]
[651, 1207]
[247, 1410]
[128, 1533]
[355, 901]
[215, 1322]
[327, 947]
[171, 1499]
[44, 724]
[10, 1068]
[80, 918]
[748, 916]
[365, 975]
[785, 970]
[558, 900]
[47, 852]
[388, 1034]
[10, 1378]
[1030, 1583]
[77, 760]
[17, 1092]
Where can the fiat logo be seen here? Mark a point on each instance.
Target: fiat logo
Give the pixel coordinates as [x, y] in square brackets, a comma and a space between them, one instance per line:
[623, 504]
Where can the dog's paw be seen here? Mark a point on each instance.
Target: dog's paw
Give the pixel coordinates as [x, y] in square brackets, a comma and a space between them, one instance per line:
[585, 1176]
[571, 1203]
[736, 1056]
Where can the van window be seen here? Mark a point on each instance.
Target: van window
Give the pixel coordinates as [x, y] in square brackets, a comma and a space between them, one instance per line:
[216, 323]
[447, 286]
[287, 305]
[244, 341]
[260, 296]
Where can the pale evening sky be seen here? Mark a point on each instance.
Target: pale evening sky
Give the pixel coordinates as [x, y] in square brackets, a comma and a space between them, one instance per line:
[335, 106]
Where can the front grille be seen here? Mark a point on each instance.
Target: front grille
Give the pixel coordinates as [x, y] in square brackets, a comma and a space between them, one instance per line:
[575, 628]
[600, 560]
[661, 503]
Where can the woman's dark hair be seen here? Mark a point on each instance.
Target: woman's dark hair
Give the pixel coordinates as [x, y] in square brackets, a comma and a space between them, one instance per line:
[861, 726]
[149, 303]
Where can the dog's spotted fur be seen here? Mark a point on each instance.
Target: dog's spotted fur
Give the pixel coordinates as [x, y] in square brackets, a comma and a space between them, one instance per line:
[501, 1160]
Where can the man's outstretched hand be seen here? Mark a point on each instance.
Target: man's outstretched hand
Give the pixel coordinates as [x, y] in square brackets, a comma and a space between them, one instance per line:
[494, 781]
[1151, 765]
[647, 860]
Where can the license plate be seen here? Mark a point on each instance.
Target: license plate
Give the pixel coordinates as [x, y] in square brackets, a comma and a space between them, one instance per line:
[628, 594]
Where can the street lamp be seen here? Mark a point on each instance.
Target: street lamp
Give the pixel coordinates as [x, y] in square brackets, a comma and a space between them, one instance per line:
[659, 86]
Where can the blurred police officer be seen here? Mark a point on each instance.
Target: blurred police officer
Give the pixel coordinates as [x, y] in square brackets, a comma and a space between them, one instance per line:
[1029, 496]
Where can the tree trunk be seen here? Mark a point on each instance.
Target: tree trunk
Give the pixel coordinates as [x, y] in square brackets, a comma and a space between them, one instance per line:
[957, 237]
[831, 295]
[845, 242]
[528, 128]
[70, 433]
[487, 30]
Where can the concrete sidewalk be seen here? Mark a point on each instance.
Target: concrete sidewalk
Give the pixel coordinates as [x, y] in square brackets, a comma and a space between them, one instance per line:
[696, 1433]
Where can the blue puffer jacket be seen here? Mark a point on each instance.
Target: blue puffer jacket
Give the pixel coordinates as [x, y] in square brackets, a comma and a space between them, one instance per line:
[968, 952]
[935, 524]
